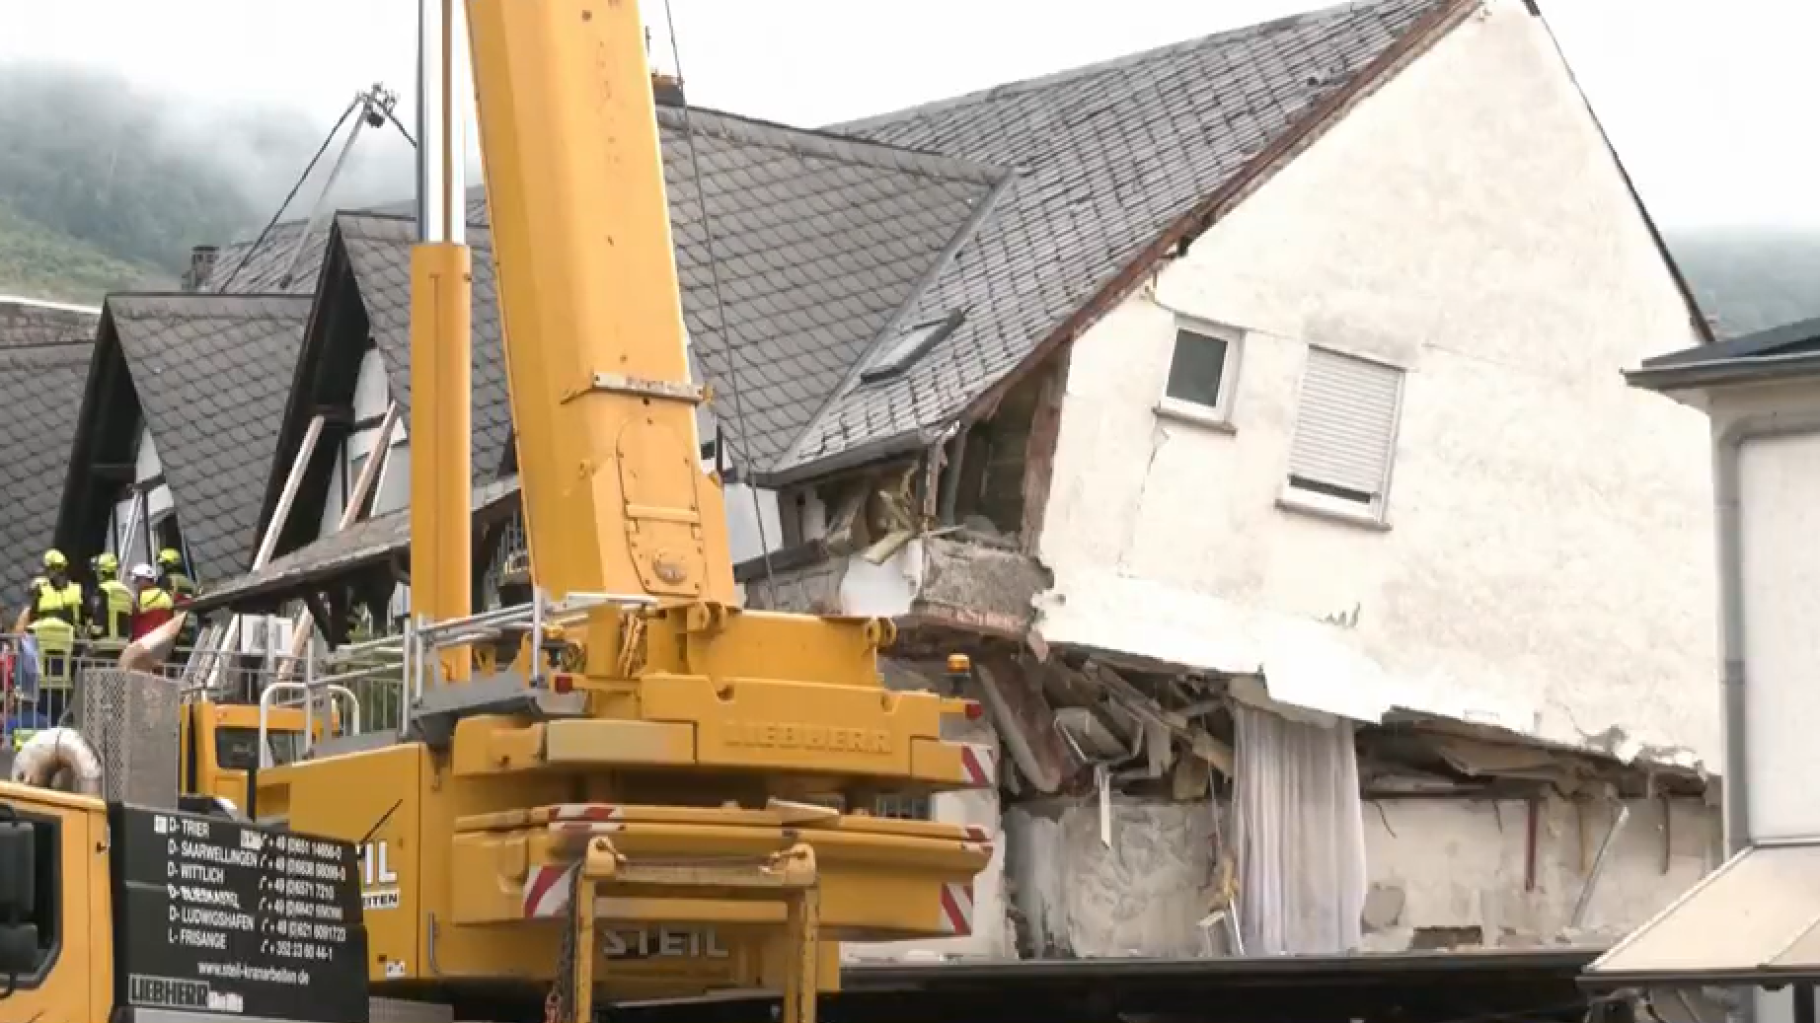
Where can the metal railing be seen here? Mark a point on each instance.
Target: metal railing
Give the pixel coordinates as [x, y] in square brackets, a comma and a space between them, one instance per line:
[377, 679]
[417, 648]
[39, 690]
[306, 695]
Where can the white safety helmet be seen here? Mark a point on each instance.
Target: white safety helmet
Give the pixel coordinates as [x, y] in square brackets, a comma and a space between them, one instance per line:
[143, 572]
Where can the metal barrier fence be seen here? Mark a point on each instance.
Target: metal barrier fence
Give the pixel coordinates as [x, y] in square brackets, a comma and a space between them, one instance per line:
[383, 676]
[40, 689]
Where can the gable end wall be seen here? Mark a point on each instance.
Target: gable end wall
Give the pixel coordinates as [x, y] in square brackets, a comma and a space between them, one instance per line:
[1548, 561]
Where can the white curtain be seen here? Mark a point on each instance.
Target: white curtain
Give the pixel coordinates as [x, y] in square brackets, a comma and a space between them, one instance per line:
[1301, 837]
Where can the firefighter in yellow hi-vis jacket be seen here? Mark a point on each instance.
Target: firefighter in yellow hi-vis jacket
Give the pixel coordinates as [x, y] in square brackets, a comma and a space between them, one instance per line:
[110, 607]
[54, 619]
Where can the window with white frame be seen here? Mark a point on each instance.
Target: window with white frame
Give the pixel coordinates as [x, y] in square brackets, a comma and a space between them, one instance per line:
[1202, 372]
[1345, 433]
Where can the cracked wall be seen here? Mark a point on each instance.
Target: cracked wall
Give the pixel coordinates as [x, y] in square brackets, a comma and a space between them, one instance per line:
[1547, 564]
[1458, 870]
[1443, 873]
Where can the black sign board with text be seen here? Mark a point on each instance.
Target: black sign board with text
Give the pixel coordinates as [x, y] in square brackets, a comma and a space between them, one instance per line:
[220, 915]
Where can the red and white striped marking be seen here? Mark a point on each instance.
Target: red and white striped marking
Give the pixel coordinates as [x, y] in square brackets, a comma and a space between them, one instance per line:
[978, 765]
[586, 817]
[957, 908]
[547, 890]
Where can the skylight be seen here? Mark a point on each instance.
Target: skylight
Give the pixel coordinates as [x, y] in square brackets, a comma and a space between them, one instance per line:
[910, 344]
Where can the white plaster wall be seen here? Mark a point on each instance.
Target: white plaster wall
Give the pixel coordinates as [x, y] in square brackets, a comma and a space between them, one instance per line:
[1455, 863]
[147, 466]
[372, 393]
[1431, 863]
[1779, 502]
[1548, 565]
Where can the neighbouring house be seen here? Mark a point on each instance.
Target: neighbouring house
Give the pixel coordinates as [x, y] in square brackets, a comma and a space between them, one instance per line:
[1269, 427]
[820, 240]
[1760, 394]
[45, 348]
[180, 412]
[1249, 410]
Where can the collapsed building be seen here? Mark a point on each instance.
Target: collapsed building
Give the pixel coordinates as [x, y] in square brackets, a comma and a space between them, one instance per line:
[1102, 379]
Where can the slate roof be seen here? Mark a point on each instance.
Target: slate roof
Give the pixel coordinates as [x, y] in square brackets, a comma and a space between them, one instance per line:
[819, 241]
[213, 373]
[1109, 157]
[257, 266]
[25, 322]
[41, 387]
[379, 250]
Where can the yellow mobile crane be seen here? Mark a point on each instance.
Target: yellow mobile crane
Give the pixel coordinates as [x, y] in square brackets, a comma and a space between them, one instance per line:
[654, 755]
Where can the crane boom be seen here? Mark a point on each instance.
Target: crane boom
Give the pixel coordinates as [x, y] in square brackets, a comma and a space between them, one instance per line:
[614, 497]
[631, 750]
[633, 746]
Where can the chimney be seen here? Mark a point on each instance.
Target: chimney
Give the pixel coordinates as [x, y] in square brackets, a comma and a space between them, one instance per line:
[666, 89]
[202, 264]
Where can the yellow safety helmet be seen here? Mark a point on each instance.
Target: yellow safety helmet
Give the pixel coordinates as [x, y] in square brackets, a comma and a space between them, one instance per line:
[54, 559]
[169, 558]
[105, 564]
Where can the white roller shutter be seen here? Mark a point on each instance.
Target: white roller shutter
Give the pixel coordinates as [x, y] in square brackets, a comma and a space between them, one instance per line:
[1347, 424]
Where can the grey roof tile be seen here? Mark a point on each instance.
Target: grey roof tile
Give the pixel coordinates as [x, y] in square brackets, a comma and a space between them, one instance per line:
[213, 373]
[259, 266]
[1108, 157]
[818, 241]
[41, 388]
[24, 323]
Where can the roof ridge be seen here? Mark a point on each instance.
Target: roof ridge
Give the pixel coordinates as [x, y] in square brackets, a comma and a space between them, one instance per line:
[123, 301]
[45, 346]
[212, 295]
[1020, 86]
[708, 121]
[27, 302]
[828, 144]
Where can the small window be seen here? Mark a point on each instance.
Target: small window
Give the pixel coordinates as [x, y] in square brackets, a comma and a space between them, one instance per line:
[1203, 375]
[909, 345]
[1345, 432]
[1197, 370]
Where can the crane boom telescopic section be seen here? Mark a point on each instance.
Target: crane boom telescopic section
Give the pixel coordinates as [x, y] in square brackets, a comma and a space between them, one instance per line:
[615, 500]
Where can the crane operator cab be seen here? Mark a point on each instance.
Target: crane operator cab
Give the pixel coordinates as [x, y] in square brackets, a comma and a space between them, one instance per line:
[219, 744]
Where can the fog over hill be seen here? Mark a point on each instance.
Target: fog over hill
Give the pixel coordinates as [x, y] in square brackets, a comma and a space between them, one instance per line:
[104, 186]
[1751, 278]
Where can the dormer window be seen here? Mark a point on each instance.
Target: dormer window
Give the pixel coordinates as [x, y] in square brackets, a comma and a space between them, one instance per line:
[910, 344]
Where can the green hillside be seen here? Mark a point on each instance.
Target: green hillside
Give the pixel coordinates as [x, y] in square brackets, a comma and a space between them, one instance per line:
[39, 262]
[103, 187]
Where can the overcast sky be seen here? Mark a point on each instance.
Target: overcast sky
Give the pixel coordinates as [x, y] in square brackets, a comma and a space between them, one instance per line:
[1709, 104]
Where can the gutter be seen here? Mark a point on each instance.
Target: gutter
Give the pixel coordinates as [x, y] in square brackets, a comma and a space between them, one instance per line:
[1727, 456]
[909, 442]
[1750, 369]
